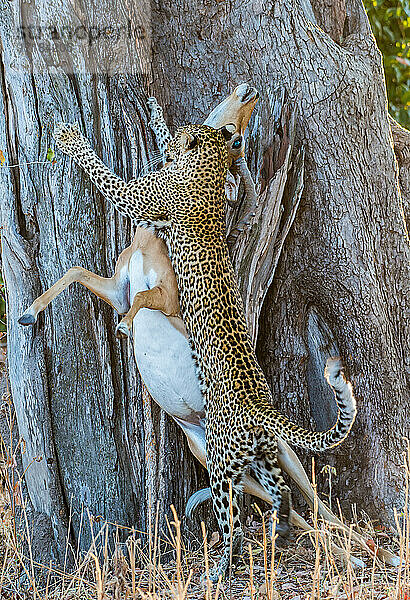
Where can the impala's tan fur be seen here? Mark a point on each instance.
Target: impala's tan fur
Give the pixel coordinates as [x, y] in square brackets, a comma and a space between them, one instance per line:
[163, 297]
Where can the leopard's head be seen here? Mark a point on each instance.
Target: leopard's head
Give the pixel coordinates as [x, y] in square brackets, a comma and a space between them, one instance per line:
[199, 164]
[200, 154]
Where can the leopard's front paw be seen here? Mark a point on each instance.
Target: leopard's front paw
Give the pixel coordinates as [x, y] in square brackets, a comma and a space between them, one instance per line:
[68, 138]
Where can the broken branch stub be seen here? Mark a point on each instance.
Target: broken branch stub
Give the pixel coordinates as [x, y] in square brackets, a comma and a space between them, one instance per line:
[256, 241]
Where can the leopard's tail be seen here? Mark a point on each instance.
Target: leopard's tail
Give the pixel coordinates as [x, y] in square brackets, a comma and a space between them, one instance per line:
[318, 440]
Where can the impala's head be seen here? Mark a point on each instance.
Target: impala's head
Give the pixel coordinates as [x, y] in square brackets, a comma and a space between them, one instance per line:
[234, 112]
[236, 109]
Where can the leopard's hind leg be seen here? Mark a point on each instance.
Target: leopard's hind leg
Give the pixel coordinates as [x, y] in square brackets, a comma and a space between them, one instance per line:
[226, 474]
[268, 472]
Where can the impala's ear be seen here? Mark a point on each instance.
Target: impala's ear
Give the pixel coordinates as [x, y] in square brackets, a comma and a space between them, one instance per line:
[228, 131]
[188, 141]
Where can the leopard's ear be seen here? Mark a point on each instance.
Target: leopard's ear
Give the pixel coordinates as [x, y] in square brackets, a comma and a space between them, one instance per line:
[228, 131]
[188, 141]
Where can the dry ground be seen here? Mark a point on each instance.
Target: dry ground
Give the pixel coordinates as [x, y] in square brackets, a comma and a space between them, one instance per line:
[135, 569]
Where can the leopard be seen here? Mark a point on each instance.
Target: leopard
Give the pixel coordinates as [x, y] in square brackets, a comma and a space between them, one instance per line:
[184, 205]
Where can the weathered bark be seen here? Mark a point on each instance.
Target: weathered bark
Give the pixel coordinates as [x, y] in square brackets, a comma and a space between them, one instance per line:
[401, 142]
[339, 287]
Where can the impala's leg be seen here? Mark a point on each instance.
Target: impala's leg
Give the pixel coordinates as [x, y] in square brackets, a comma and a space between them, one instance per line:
[291, 464]
[112, 290]
[293, 467]
[158, 298]
[300, 522]
[251, 486]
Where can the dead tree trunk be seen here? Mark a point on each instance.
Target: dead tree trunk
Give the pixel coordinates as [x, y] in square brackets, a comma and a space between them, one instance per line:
[340, 284]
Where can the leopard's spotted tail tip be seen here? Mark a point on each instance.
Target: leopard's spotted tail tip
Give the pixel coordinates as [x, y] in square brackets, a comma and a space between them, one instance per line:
[333, 369]
[335, 377]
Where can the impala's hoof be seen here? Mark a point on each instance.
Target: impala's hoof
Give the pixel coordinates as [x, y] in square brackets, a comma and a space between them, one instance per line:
[122, 331]
[27, 319]
[282, 529]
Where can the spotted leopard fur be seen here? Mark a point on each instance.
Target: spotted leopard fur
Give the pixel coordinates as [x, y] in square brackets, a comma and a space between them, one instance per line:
[186, 203]
[159, 126]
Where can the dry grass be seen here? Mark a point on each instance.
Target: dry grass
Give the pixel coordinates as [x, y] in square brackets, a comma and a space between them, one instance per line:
[135, 569]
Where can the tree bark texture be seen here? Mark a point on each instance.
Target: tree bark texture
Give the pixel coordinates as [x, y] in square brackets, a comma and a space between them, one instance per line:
[340, 285]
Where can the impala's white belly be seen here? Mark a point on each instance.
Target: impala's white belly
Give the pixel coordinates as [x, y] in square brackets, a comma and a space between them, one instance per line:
[162, 353]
